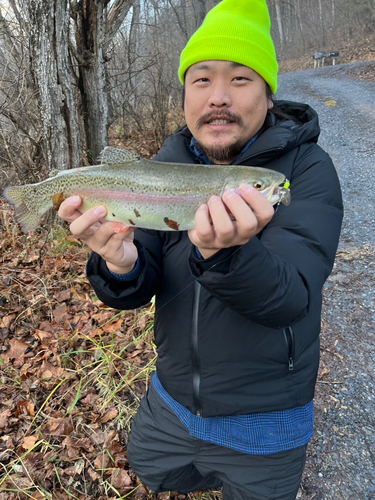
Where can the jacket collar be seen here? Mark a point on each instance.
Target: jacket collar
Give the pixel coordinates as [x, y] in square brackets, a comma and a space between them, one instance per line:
[278, 137]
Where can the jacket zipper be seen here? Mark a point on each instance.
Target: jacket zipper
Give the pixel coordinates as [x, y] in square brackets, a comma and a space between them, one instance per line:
[289, 339]
[195, 356]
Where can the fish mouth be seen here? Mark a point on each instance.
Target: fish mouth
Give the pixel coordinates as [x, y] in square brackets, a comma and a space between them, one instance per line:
[276, 194]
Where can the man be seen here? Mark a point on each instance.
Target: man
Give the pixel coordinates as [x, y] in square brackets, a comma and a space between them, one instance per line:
[238, 298]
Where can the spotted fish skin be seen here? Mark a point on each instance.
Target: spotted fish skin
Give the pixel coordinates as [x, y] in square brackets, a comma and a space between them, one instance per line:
[141, 193]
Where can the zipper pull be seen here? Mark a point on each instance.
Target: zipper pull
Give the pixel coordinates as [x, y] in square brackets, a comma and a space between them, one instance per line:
[291, 364]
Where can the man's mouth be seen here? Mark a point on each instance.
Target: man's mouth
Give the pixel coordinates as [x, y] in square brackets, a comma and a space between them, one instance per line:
[219, 122]
[227, 119]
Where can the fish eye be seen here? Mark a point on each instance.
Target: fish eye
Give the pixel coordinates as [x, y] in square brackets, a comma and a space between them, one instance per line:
[259, 185]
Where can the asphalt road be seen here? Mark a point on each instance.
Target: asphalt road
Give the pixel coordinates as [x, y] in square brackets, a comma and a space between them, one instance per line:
[341, 460]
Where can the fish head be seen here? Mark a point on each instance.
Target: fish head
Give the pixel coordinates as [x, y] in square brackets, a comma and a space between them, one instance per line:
[273, 185]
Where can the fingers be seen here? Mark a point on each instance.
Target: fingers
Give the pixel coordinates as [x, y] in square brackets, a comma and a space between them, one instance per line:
[88, 223]
[251, 210]
[113, 241]
[68, 210]
[223, 225]
[113, 246]
[230, 221]
[260, 206]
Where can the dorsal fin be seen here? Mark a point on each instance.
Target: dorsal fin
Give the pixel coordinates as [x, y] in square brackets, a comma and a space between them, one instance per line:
[111, 156]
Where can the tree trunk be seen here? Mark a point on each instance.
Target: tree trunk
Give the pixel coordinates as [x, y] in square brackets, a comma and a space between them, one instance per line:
[48, 49]
[90, 17]
[181, 17]
[279, 23]
[321, 19]
[199, 7]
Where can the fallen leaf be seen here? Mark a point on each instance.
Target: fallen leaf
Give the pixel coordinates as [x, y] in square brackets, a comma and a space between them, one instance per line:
[25, 408]
[16, 351]
[76, 469]
[112, 437]
[20, 483]
[38, 496]
[113, 327]
[135, 353]
[58, 427]
[61, 313]
[120, 478]
[28, 442]
[103, 463]
[93, 474]
[5, 321]
[48, 371]
[108, 415]
[90, 399]
[117, 453]
[164, 496]
[43, 336]
[63, 295]
[84, 443]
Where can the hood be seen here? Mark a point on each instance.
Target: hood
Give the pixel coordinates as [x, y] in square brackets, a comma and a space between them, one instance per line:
[294, 124]
[291, 125]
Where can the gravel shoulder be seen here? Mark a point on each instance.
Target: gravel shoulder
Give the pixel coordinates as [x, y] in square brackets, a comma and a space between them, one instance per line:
[341, 459]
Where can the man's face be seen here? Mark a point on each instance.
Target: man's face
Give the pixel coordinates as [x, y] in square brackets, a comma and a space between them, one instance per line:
[225, 106]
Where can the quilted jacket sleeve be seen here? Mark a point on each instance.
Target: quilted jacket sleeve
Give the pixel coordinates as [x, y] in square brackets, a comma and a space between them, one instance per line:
[129, 294]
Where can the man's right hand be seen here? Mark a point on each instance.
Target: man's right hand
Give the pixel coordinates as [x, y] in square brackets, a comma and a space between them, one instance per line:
[113, 241]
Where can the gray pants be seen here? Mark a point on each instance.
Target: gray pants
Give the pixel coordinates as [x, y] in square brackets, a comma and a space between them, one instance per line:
[166, 458]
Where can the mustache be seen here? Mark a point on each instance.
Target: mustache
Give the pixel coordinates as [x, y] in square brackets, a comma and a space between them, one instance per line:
[214, 115]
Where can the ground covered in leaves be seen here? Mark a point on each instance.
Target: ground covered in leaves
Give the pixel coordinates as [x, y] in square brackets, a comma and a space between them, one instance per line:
[72, 373]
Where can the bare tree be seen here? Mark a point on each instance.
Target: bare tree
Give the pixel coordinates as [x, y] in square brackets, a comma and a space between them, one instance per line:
[59, 51]
[20, 128]
[279, 22]
[95, 25]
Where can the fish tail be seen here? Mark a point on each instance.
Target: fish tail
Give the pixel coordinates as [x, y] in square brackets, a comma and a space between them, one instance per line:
[28, 210]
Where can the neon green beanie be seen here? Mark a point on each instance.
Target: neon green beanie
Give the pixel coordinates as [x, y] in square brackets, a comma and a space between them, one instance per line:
[238, 31]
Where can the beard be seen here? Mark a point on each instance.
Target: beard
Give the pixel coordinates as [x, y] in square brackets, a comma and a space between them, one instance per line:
[221, 154]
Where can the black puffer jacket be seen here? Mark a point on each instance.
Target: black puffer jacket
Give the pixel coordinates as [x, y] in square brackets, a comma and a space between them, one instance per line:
[239, 333]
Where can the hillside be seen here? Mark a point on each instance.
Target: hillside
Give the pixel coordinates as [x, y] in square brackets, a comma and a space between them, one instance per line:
[358, 50]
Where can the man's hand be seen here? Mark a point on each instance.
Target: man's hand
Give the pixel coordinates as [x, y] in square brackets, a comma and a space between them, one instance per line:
[113, 241]
[215, 228]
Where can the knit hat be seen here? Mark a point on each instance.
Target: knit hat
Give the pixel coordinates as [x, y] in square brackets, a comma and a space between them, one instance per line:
[238, 31]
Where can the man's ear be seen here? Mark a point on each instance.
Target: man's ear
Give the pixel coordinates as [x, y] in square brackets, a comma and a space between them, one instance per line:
[270, 104]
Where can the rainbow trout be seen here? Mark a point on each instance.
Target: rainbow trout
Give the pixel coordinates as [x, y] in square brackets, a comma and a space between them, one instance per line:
[141, 193]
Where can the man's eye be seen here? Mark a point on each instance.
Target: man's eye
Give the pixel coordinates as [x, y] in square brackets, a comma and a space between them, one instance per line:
[202, 80]
[240, 79]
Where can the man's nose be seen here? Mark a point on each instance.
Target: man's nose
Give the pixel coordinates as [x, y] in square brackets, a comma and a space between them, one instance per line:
[220, 97]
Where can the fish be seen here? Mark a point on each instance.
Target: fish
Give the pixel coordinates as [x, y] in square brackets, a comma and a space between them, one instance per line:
[141, 193]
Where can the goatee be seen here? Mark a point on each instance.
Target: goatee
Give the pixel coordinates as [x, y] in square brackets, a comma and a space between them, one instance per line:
[221, 154]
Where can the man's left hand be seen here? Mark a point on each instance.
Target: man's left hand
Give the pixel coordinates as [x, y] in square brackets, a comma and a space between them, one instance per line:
[216, 228]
